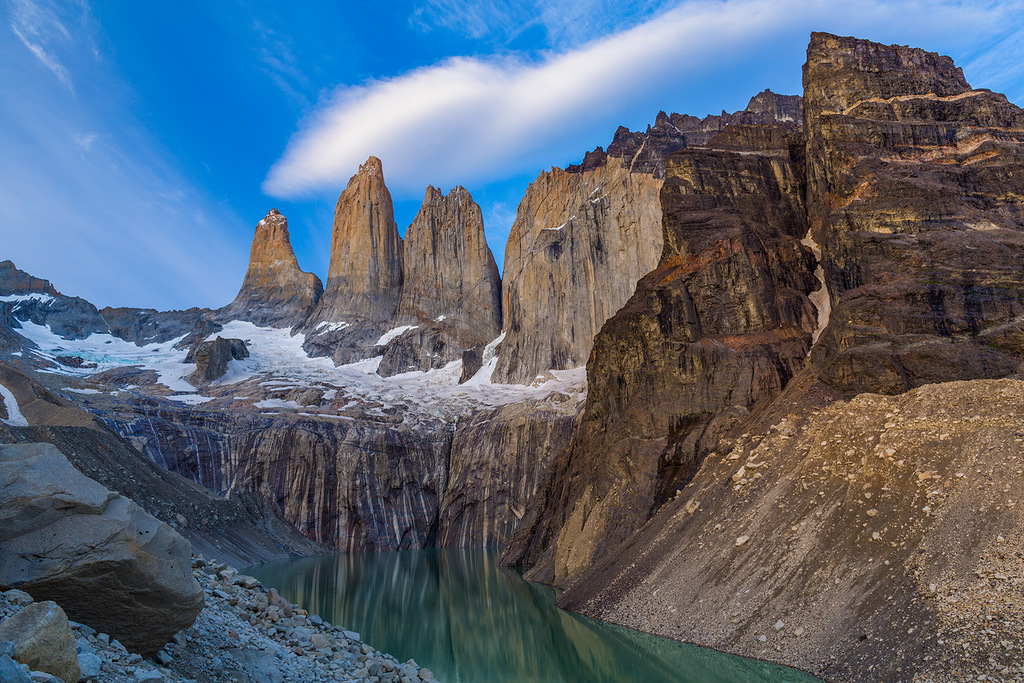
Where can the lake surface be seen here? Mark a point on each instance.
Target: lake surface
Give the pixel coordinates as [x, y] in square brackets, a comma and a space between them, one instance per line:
[469, 621]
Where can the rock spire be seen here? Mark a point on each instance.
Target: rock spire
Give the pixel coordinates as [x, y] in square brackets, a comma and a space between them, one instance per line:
[275, 291]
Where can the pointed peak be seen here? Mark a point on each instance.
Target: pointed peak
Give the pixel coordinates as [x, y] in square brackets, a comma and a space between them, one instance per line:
[373, 166]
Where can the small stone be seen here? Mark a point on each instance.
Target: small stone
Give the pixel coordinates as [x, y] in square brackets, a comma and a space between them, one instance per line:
[11, 672]
[426, 675]
[779, 625]
[798, 632]
[90, 664]
[763, 638]
[742, 540]
[7, 648]
[875, 536]
[148, 676]
[43, 640]
[18, 597]
[163, 658]
[872, 512]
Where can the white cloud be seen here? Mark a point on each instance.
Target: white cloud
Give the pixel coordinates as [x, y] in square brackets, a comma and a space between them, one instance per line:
[39, 27]
[85, 140]
[472, 120]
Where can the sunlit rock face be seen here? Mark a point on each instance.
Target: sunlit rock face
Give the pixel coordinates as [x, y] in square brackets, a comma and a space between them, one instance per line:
[365, 276]
[579, 243]
[364, 282]
[583, 237]
[645, 152]
[275, 291]
[451, 290]
[916, 193]
[716, 330]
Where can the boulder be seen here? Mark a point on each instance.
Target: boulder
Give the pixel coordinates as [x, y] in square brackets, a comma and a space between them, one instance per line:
[212, 358]
[104, 560]
[43, 640]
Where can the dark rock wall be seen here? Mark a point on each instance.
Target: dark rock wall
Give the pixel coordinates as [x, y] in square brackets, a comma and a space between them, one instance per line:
[717, 329]
[916, 193]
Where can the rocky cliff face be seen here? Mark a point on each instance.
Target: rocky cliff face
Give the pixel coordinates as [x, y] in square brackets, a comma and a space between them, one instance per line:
[913, 191]
[275, 292]
[365, 276]
[30, 299]
[579, 243]
[917, 196]
[451, 288]
[584, 236]
[645, 152]
[715, 331]
[498, 459]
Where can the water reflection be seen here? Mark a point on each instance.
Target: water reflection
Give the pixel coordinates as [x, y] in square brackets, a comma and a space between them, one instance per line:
[470, 621]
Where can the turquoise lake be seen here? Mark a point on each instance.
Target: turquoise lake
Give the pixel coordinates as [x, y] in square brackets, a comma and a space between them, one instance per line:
[469, 621]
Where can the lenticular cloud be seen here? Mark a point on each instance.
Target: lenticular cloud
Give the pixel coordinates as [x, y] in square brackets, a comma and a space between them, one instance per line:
[473, 120]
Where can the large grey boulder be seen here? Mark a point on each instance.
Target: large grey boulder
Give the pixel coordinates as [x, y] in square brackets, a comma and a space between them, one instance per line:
[108, 563]
[43, 640]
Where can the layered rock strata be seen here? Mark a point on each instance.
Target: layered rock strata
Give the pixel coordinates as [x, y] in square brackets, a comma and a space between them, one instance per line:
[916, 194]
[645, 152]
[584, 236]
[275, 291]
[717, 330]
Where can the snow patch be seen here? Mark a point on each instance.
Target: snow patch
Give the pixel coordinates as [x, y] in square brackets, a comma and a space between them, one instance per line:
[820, 298]
[325, 327]
[190, 399]
[277, 403]
[394, 333]
[82, 391]
[278, 359]
[21, 298]
[14, 416]
[440, 318]
[108, 351]
[490, 361]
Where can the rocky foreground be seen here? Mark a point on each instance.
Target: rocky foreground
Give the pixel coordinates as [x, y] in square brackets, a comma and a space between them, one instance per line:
[244, 633]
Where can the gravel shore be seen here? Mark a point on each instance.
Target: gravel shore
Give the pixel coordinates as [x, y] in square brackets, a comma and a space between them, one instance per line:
[245, 632]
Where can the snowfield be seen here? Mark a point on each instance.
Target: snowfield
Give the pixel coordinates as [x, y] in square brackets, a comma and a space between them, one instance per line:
[278, 361]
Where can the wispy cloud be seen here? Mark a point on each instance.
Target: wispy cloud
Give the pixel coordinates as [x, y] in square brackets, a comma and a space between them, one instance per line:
[91, 201]
[278, 62]
[40, 28]
[566, 23]
[472, 119]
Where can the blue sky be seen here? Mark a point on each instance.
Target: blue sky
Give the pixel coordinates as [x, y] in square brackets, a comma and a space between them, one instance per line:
[144, 141]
